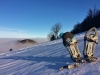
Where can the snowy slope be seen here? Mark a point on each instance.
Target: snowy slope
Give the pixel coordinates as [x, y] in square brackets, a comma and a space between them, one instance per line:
[46, 59]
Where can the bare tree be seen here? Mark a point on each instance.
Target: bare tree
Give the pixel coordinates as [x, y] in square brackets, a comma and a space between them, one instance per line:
[55, 29]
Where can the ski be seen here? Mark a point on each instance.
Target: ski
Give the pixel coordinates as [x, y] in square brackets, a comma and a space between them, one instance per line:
[74, 65]
[77, 64]
[70, 66]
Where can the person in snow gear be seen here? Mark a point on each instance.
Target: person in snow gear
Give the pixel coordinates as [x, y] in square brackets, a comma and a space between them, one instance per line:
[71, 44]
[90, 41]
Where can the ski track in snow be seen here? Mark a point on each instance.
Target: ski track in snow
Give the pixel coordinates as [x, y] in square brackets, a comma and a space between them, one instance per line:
[46, 59]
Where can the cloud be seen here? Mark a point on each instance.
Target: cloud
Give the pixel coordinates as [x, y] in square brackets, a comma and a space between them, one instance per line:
[9, 29]
[14, 33]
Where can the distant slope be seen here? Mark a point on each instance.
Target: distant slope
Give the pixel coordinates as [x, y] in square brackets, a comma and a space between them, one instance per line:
[12, 43]
[45, 59]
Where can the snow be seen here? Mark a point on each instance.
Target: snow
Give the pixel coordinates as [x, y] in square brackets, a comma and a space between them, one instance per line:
[46, 59]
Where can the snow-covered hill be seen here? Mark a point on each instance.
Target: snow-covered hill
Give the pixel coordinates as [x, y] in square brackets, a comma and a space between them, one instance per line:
[46, 59]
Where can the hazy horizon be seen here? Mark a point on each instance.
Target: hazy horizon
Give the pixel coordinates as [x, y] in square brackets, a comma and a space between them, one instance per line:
[12, 43]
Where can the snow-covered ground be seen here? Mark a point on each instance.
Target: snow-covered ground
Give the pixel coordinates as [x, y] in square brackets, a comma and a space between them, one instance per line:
[46, 59]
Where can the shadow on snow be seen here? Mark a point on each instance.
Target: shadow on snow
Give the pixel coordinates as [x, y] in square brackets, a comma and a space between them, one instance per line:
[54, 62]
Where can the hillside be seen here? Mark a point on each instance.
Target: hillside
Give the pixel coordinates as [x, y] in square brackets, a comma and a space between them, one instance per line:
[46, 59]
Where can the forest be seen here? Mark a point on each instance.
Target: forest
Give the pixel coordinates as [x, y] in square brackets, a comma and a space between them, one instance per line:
[92, 20]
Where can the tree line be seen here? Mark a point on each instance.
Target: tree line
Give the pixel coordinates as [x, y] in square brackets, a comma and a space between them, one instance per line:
[92, 20]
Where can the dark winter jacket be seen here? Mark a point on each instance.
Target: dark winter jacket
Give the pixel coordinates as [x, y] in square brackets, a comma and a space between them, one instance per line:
[66, 36]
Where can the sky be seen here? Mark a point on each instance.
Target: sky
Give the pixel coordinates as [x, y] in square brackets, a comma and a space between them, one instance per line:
[35, 18]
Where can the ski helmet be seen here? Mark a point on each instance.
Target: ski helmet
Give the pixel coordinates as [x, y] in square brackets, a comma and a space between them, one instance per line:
[60, 35]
